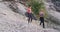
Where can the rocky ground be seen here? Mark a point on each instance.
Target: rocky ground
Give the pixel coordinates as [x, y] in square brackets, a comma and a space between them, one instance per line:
[14, 22]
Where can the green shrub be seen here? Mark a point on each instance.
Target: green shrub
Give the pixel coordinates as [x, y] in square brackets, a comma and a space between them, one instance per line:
[36, 6]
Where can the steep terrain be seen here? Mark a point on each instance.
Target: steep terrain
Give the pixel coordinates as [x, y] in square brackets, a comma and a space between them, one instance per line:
[14, 22]
[53, 13]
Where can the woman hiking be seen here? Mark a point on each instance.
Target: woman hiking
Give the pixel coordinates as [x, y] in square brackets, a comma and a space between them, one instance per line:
[41, 13]
[29, 11]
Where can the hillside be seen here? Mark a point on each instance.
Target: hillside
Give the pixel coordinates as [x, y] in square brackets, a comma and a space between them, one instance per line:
[14, 22]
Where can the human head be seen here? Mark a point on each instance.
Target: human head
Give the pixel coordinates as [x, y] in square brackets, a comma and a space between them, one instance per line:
[29, 5]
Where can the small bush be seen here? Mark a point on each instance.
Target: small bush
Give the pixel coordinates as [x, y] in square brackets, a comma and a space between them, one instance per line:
[36, 6]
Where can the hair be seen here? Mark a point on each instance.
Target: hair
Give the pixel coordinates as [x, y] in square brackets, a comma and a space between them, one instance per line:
[29, 5]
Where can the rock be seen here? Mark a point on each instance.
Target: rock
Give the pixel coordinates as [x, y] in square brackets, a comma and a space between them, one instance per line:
[53, 15]
[13, 22]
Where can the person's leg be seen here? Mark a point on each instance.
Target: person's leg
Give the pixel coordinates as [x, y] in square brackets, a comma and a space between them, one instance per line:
[40, 23]
[43, 25]
[28, 19]
[40, 20]
[31, 17]
[43, 22]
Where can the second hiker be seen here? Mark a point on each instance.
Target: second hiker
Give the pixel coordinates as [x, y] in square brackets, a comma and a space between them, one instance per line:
[41, 13]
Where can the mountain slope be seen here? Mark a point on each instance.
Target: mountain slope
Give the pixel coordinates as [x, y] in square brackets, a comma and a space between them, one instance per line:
[13, 22]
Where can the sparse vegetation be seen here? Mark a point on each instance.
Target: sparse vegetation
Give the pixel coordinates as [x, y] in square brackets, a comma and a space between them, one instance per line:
[37, 6]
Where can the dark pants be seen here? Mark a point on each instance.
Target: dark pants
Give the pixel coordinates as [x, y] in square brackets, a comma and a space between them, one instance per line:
[29, 17]
[42, 21]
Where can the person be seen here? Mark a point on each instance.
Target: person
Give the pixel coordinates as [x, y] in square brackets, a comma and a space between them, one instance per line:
[41, 13]
[29, 11]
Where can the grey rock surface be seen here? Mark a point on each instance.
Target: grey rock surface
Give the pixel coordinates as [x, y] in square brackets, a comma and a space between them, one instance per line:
[53, 15]
[13, 22]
